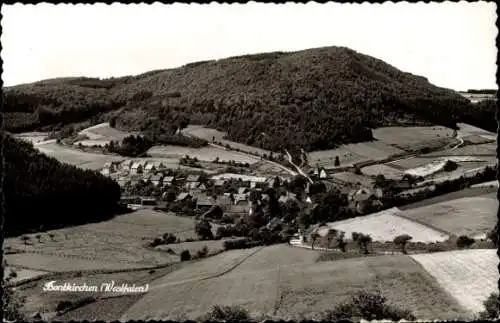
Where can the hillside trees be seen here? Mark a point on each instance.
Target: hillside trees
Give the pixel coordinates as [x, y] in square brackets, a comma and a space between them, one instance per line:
[331, 96]
[42, 193]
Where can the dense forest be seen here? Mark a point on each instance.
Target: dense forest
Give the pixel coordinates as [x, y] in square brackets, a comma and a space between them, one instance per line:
[41, 193]
[314, 99]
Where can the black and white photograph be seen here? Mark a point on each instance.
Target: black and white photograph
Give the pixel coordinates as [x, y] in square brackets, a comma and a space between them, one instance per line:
[249, 162]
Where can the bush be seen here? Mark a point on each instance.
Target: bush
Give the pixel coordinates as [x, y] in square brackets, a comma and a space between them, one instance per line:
[64, 305]
[450, 166]
[169, 238]
[156, 242]
[464, 242]
[203, 252]
[492, 308]
[185, 255]
[227, 313]
[368, 306]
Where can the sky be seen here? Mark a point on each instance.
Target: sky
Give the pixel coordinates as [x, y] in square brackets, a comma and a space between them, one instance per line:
[451, 44]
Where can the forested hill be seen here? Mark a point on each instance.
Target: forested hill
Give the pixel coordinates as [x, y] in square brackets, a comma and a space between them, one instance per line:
[315, 99]
[41, 193]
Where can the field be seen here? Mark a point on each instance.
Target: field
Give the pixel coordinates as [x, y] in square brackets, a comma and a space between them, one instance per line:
[39, 301]
[413, 138]
[487, 192]
[421, 161]
[74, 156]
[208, 154]
[101, 135]
[469, 275]
[287, 282]
[33, 137]
[307, 290]
[115, 244]
[104, 131]
[22, 274]
[467, 130]
[383, 169]
[481, 151]
[208, 134]
[386, 225]
[349, 177]
[352, 153]
[472, 216]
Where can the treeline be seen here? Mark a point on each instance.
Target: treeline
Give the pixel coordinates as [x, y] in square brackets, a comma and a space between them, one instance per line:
[313, 99]
[482, 91]
[41, 193]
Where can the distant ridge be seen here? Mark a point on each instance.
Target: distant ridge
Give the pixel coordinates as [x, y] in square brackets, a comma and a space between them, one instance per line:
[314, 99]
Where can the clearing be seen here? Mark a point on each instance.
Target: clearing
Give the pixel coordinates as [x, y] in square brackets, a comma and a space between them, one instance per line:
[33, 137]
[101, 134]
[209, 134]
[386, 225]
[414, 138]
[22, 274]
[352, 154]
[39, 301]
[354, 179]
[467, 130]
[383, 169]
[114, 244]
[468, 275]
[208, 154]
[471, 216]
[74, 156]
[286, 281]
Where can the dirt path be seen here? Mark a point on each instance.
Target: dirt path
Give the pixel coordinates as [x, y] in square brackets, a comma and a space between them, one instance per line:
[301, 172]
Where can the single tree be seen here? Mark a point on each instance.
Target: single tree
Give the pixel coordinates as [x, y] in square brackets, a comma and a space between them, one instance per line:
[363, 240]
[25, 239]
[332, 233]
[204, 229]
[402, 240]
[314, 237]
[185, 255]
[341, 244]
[337, 161]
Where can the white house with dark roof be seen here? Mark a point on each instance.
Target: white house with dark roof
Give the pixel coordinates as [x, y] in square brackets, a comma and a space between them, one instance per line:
[240, 199]
[136, 168]
[150, 168]
[156, 179]
[167, 180]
